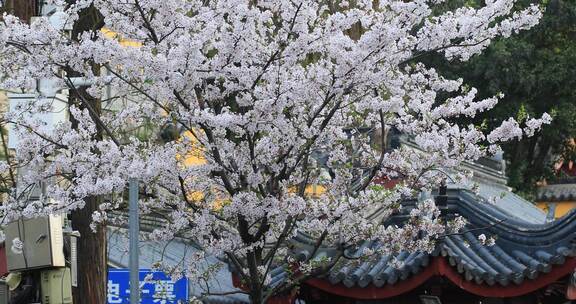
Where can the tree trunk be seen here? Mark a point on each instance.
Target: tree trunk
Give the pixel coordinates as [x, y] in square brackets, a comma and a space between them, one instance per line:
[256, 298]
[92, 245]
[92, 257]
[23, 9]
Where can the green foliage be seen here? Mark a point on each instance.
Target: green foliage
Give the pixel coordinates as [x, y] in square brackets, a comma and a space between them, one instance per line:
[536, 71]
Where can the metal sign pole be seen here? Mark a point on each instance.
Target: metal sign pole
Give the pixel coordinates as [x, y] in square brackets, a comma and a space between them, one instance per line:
[134, 229]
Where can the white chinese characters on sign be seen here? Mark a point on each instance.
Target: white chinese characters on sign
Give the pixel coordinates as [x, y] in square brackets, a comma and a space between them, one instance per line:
[164, 292]
[160, 289]
[114, 293]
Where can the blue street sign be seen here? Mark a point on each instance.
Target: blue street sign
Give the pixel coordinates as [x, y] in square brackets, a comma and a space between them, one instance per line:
[160, 289]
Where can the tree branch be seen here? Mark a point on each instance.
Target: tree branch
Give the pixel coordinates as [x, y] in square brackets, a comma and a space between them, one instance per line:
[95, 116]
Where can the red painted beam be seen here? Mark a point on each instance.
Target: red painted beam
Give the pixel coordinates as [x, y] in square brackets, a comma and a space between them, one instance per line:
[440, 267]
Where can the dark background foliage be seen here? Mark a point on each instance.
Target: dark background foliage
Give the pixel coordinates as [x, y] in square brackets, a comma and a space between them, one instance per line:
[536, 70]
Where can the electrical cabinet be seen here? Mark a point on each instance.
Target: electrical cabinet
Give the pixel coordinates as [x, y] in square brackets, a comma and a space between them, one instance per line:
[55, 286]
[42, 239]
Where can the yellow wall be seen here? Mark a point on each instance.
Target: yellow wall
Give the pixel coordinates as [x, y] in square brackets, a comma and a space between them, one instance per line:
[124, 42]
[3, 102]
[561, 207]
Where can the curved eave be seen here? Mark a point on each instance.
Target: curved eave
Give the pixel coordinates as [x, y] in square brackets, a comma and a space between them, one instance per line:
[556, 198]
[441, 267]
[499, 222]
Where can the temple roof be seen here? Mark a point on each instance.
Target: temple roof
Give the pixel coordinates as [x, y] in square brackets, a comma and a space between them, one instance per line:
[489, 174]
[557, 192]
[523, 251]
[509, 202]
[525, 254]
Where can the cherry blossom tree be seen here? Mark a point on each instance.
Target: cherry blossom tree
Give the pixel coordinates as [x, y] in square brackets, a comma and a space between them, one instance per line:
[275, 96]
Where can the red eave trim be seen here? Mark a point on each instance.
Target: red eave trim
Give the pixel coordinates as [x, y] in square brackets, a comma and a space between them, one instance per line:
[440, 267]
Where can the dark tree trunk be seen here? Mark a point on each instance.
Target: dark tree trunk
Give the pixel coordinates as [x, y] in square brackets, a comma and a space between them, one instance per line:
[92, 245]
[23, 9]
[256, 297]
[92, 253]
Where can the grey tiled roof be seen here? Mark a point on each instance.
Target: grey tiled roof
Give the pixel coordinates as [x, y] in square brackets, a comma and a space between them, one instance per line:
[489, 175]
[512, 203]
[557, 192]
[523, 250]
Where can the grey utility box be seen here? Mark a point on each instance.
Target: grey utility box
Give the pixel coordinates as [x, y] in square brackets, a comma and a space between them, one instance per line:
[43, 243]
